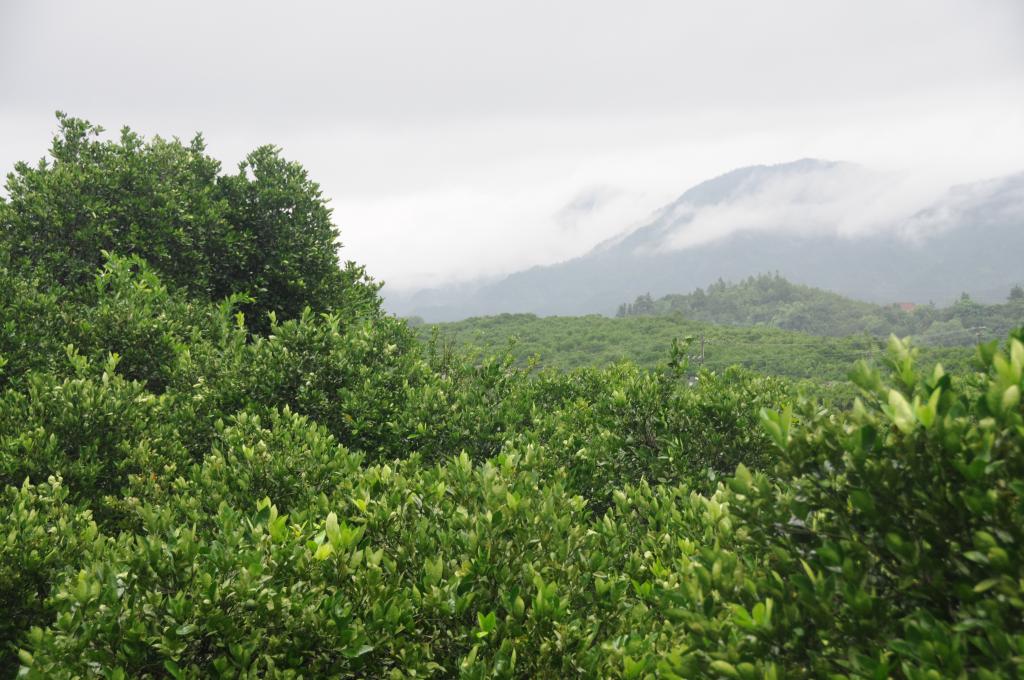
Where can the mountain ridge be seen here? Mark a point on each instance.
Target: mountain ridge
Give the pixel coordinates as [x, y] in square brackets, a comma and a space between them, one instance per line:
[963, 242]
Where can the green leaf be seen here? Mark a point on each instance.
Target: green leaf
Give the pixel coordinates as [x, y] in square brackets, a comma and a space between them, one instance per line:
[742, 481]
[926, 412]
[1010, 399]
[331, 528]
[900, 412]
[362, 650]
[173, 668]
[486, 624]
[725, 668]
[323, 552]
[632, 668]
[863, 501]
[777, 425]
[986, 585]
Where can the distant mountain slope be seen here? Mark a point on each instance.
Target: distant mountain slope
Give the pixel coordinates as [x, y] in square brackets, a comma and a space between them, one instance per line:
[816, 222]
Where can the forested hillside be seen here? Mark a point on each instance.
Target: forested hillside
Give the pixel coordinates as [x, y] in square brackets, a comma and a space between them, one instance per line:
[219, 458]
[771, 300]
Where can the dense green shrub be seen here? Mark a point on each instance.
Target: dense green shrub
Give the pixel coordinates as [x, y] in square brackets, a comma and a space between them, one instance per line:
[634, 425]
[33, 333]
[283, 247]
[94, 431]
[906, 518]
[42, 537]
[478, 570]
[157, 199]
[391, 578]
[472, 404]
[289, 459]
[134, 316]
[351, 379]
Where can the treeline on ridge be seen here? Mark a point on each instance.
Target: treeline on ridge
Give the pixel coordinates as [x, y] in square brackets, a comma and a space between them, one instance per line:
[771, 300]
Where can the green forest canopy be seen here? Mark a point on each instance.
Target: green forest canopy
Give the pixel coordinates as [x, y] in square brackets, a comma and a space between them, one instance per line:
[187, 494]
[570, 342]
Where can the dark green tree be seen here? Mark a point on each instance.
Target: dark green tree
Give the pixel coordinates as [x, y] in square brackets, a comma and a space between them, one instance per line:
[286, 248]
[265, 231]
[156, 199]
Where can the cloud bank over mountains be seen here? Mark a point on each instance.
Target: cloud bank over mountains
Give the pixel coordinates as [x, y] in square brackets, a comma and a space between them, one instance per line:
[805, 198]
[452, 136]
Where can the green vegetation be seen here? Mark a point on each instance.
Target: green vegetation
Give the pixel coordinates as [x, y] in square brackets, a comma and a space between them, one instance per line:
[264, 231]
[773, 301]
[186, 495]
[578, 341]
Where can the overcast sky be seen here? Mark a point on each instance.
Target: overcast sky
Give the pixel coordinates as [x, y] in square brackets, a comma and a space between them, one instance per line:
[469, 138]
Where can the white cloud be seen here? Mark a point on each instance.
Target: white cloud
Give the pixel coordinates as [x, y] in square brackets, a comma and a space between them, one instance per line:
[844, 200]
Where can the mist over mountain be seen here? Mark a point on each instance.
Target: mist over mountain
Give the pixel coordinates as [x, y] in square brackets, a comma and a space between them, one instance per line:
[832, 225]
